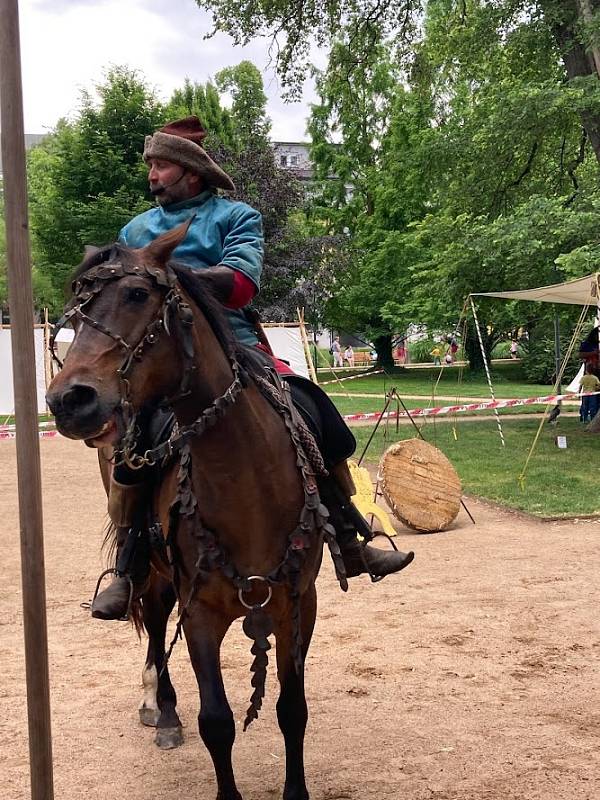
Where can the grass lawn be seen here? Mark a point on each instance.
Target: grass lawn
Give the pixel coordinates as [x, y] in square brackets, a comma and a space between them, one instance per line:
[506, 378]
[558, 482]
[10, 420]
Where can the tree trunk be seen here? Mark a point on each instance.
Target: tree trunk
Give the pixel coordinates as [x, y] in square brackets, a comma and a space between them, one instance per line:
[563, 17]
[473, 348]
[383, 345]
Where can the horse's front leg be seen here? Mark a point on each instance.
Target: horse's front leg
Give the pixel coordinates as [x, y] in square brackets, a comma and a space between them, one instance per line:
[158, 707]
[204, 631]
[292, 712]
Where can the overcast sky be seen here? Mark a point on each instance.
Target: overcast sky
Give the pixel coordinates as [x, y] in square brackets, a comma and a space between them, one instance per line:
[67, 44]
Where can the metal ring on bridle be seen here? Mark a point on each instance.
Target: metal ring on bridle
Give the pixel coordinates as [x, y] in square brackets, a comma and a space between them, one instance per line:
[241, 591]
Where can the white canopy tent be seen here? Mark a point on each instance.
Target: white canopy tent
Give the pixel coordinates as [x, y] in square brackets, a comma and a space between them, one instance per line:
[579, 292]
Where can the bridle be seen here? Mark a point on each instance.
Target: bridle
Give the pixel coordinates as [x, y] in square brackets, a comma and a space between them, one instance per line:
[90, 284]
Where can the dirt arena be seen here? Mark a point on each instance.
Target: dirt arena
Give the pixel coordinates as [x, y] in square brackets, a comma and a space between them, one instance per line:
[474, 675]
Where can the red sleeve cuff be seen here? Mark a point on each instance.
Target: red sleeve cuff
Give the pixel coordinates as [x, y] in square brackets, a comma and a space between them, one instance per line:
[243, 291]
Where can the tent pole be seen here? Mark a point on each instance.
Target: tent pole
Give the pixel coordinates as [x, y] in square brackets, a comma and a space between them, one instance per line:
[487, 370]
[557, 357]
[27, 444]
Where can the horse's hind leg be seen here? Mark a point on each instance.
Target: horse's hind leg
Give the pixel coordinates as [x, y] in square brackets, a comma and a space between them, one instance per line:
[159, 704]
[204, 631]
[292, 712]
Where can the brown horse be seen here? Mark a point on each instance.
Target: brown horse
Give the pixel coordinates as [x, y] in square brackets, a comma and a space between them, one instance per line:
[237, 500]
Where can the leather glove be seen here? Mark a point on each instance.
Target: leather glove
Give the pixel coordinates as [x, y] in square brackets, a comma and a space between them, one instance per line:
[220, 280]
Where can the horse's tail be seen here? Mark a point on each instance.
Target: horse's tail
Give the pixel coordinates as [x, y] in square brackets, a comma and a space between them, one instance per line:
[109, 543]
[109, 548]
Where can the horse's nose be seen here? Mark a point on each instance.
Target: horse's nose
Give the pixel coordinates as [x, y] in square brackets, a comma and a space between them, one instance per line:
[78, 400]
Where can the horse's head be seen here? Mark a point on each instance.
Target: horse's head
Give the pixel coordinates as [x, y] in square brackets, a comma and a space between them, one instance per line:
[124, 303]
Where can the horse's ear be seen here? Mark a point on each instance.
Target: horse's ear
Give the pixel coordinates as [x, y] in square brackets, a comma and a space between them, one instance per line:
[162, 247]
[89, 251]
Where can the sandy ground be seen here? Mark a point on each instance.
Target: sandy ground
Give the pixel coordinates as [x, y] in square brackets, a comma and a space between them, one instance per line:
[472, 676]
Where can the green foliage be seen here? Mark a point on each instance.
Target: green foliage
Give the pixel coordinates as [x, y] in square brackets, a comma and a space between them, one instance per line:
[204, 101]
[86, 180]
[464, 137]
[420, 352]
[539, 363]
[295, 26]
[248, 112]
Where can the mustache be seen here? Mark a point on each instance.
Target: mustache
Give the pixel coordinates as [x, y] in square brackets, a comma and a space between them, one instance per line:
[161, 188]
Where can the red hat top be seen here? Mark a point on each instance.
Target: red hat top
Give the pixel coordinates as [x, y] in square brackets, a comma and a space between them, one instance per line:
[187, 128]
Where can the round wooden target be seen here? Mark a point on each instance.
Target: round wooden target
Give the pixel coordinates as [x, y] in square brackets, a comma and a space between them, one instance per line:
[420, 485]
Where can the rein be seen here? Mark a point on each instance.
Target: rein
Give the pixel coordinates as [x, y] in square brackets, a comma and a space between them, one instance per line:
[314, 516]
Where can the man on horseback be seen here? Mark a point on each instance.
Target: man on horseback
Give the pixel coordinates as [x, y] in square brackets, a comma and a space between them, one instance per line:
[225, 240]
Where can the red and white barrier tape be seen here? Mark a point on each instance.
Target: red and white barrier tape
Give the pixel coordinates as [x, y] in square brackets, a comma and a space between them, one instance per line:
[353, 377]
[11, 427]
[42, 434]
[8, 431]
[440, 410]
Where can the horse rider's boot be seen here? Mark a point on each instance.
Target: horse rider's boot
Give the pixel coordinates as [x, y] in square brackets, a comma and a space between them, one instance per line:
[126, 507]
[359, 557]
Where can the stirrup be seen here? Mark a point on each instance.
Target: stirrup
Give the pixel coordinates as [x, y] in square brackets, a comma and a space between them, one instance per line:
[117, 574]
[376, 578]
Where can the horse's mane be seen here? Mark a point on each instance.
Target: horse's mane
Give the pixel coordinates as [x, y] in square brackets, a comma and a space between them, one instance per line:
[199, 289]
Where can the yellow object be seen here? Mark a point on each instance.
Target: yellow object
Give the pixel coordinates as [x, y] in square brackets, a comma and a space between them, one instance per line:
[363, 499]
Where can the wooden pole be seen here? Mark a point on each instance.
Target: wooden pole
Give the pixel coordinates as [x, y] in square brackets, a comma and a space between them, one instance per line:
[47, 358]
[306, 346]
[23, 357]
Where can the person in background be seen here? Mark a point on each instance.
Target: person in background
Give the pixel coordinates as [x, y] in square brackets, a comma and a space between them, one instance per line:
[349, 355]
[336, 352]
[589, 351]
[589, 404]
[436, 353]
[401, 352]
[514, 348]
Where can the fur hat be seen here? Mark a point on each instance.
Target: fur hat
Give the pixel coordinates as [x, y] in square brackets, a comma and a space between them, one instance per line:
[181, 143]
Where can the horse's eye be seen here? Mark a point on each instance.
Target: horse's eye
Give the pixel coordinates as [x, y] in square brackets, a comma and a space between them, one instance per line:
[137, 295]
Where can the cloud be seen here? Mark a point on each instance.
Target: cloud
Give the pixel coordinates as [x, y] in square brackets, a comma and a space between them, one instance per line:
[67, 45]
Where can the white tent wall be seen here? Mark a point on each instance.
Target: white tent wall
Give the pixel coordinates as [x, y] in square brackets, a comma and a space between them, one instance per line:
[7, 400]
[285, 341]
[286, 344]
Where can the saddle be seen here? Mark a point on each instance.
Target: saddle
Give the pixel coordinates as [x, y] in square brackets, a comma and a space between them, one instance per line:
[333, 437]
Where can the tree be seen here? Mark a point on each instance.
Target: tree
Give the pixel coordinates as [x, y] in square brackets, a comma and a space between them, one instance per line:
[249, 116]
[86, 179]
[294, 25]
[203, 100]
[573, 25]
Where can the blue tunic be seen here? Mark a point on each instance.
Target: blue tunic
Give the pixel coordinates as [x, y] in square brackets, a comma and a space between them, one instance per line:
[223, 232]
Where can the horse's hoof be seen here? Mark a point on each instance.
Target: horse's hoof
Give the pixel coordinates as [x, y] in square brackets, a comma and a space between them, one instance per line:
[168, 738]
[149, 716]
